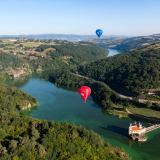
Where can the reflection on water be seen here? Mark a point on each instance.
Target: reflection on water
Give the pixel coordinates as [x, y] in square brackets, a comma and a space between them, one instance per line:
[131, 142]
[116, 129]
[28, 111]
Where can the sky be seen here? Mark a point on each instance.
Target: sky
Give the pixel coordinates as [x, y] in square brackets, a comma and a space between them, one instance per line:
[80, 17]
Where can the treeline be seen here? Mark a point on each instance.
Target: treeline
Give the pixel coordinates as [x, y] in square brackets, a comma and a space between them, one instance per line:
[101, 93]
[134, 71]
[12, 99]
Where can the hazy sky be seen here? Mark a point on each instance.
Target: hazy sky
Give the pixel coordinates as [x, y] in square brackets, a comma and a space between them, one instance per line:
[82, 17]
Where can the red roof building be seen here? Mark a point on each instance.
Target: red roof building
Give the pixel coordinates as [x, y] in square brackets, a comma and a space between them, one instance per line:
[135, 129]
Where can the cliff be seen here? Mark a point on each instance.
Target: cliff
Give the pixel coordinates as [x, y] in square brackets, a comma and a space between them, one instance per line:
[26, 107]
[39, 69]
[23, 70]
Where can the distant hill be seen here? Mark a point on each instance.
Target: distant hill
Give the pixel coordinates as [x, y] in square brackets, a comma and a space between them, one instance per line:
[135, 70]
[124, 44]
[68, 37]
[26, 55]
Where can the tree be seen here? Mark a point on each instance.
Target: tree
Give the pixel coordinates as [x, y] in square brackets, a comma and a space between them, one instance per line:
[149, 104]
[124, 108]
[41, 150]
[135, 99]
[35, 134]
[2, 134]
[13, 144]
[157, 106]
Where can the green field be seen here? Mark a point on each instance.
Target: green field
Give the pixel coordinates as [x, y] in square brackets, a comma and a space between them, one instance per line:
[145, 112]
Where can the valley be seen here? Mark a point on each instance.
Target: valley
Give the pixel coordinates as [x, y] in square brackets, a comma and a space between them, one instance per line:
[56, 59]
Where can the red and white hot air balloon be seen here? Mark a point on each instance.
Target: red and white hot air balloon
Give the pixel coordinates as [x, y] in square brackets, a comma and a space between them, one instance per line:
[84, 92]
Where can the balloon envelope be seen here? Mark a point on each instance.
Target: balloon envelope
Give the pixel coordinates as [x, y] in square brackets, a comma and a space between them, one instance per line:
[99, 32]
[84, 92]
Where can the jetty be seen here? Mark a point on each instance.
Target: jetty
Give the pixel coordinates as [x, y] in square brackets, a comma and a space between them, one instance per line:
[151, 128]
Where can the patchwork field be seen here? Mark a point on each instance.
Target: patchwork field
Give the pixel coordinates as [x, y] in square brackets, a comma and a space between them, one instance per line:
[25, 47]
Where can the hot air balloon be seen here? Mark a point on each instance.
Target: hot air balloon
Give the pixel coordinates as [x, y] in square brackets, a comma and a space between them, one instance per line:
[99, 32]
[84, 92]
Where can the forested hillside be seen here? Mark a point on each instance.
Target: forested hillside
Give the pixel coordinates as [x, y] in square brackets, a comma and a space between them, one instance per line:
[68, 55]
[8, 60]
[126, 44]
[134, 71]
[12, 99]
[41, 55]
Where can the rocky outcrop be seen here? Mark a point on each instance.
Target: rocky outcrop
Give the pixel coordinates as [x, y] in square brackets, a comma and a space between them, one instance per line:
[39, 69]
[19, 71]
[26, 107]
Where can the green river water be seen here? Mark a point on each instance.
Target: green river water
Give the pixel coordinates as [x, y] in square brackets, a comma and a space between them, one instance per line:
[59, 104]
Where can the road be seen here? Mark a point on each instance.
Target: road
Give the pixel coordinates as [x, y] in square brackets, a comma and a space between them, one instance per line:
[140, 100]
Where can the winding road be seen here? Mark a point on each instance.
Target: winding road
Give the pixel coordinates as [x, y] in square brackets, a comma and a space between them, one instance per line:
[140, 100]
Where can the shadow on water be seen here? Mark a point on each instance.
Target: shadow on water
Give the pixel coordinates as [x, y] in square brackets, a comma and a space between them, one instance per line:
[141, 119]
[95, 105]
[116, 129]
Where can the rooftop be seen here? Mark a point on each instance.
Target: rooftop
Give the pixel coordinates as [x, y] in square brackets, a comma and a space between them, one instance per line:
[135, 128]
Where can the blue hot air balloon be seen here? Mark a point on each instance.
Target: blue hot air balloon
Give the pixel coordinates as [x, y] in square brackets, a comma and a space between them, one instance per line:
[99, 32]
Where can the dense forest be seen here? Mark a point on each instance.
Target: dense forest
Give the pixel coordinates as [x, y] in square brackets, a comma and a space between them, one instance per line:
[126, 44]
[12, 99]
[23, 137]
[33, 139]
[8, 60]
[134, 71]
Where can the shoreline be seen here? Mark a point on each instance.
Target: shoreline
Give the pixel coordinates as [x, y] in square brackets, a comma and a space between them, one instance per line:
[34, 105]
[152, 119]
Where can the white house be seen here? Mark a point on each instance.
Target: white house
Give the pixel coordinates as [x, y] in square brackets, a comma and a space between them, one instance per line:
[136, 128]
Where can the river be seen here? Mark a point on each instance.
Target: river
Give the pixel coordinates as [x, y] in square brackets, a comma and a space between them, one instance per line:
[59, 104]
[112, 52]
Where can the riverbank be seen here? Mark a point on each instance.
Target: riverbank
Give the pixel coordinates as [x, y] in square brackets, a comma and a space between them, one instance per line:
[144, 113]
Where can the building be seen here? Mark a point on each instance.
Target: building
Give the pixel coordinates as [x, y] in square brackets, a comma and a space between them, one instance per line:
[136, 128]
[152, 91]
[14, 53]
